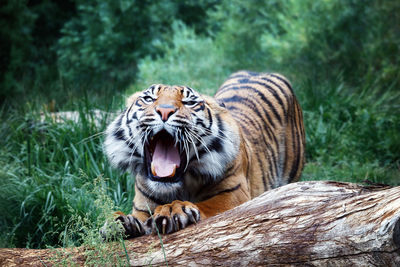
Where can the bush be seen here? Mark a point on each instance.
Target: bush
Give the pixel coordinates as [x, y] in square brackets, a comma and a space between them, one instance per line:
[107, 38]
[15, 39]
[189, 60]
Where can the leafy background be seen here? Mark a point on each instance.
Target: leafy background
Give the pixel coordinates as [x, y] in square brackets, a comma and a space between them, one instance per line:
[342, 57]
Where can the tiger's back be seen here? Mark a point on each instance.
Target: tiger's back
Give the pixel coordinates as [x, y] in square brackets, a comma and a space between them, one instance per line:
[271, 121]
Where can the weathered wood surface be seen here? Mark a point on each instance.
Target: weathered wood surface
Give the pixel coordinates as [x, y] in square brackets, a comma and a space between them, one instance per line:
[300, 224]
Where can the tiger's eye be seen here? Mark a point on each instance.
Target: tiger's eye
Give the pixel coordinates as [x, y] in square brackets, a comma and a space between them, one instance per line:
[189, 103]
[148, 98]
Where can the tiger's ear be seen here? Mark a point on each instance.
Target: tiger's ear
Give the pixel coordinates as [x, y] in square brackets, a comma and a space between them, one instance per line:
[220, 103]
[130, 100]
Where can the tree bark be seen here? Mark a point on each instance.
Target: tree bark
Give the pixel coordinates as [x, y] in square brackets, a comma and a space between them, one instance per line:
[305, 223]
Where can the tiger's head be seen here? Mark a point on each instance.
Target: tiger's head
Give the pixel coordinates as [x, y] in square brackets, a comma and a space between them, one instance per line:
[170, 135]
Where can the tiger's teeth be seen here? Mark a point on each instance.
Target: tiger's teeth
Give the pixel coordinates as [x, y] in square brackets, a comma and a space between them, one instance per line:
[153, 169]
[173, 173]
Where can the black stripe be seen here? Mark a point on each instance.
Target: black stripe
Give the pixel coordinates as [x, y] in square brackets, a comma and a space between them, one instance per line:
[190, 89]
[295, 166]
[262, 173]
[270, 89]
[136, 208]
[221, 128]
[279, 87]
[210, 118]
[123, 165]
[130, 144]
[127, 114]
[292, 128]
[263, 97]
[179, 121]
[128, 123]
[201, 107]
[229, 190]
[119, 134]
[134, 116]
[152, 88]
[154, 199]
[251, 120]
[147, 120]
[201, 123]
[180, 116]
[283, 80]
[271, 157]
[232, 169]
[250, 104]
[215, 145]
[135, 153]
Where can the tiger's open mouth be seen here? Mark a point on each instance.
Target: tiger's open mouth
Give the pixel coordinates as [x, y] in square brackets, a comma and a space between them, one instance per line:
[164, 160]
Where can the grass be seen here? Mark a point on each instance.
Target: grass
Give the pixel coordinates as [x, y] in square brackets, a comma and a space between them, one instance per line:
[47, 173]
[352, 135]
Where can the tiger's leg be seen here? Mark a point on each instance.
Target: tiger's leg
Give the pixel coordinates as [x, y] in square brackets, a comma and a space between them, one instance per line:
[177, 215]
[133, 223]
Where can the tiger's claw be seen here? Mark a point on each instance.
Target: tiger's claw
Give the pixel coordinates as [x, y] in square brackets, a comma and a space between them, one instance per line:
[173, 217]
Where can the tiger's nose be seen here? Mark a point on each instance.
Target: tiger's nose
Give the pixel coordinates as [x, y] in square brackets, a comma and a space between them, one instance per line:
[165, 111]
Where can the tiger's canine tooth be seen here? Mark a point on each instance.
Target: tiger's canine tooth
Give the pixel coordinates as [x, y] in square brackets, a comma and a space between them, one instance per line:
[173, 173]
[153, 169]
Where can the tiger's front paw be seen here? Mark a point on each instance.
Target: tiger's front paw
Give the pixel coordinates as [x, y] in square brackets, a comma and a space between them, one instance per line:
[172, 217]
[131, 227]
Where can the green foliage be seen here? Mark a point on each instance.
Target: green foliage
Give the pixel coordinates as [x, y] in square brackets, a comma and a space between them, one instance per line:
[107, 38]
[15, 38]
[57, 45]
[83, 229]
[190, 60]
[351, 136]
[47, 171]
[28, 34]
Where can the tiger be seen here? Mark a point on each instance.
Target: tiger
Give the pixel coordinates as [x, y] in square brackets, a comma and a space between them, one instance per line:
[195, 156]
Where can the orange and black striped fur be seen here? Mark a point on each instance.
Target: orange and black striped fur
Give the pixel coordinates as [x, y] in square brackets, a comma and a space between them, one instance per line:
[195, 156]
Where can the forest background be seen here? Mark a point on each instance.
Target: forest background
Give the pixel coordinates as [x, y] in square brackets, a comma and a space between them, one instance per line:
[342, 57]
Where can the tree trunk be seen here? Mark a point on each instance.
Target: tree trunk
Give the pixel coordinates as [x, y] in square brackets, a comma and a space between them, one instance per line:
[305, 223]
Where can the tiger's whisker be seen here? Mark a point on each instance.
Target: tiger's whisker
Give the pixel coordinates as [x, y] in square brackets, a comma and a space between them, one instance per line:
[91, 137]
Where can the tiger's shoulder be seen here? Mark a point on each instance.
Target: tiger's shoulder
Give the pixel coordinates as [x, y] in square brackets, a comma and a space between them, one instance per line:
[266, 86]
[270, 117]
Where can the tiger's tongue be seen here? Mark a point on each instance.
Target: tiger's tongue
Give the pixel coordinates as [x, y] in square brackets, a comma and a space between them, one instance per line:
[165, 159]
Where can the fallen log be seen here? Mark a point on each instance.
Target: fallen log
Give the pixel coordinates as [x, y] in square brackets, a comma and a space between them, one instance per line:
[306, 223]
